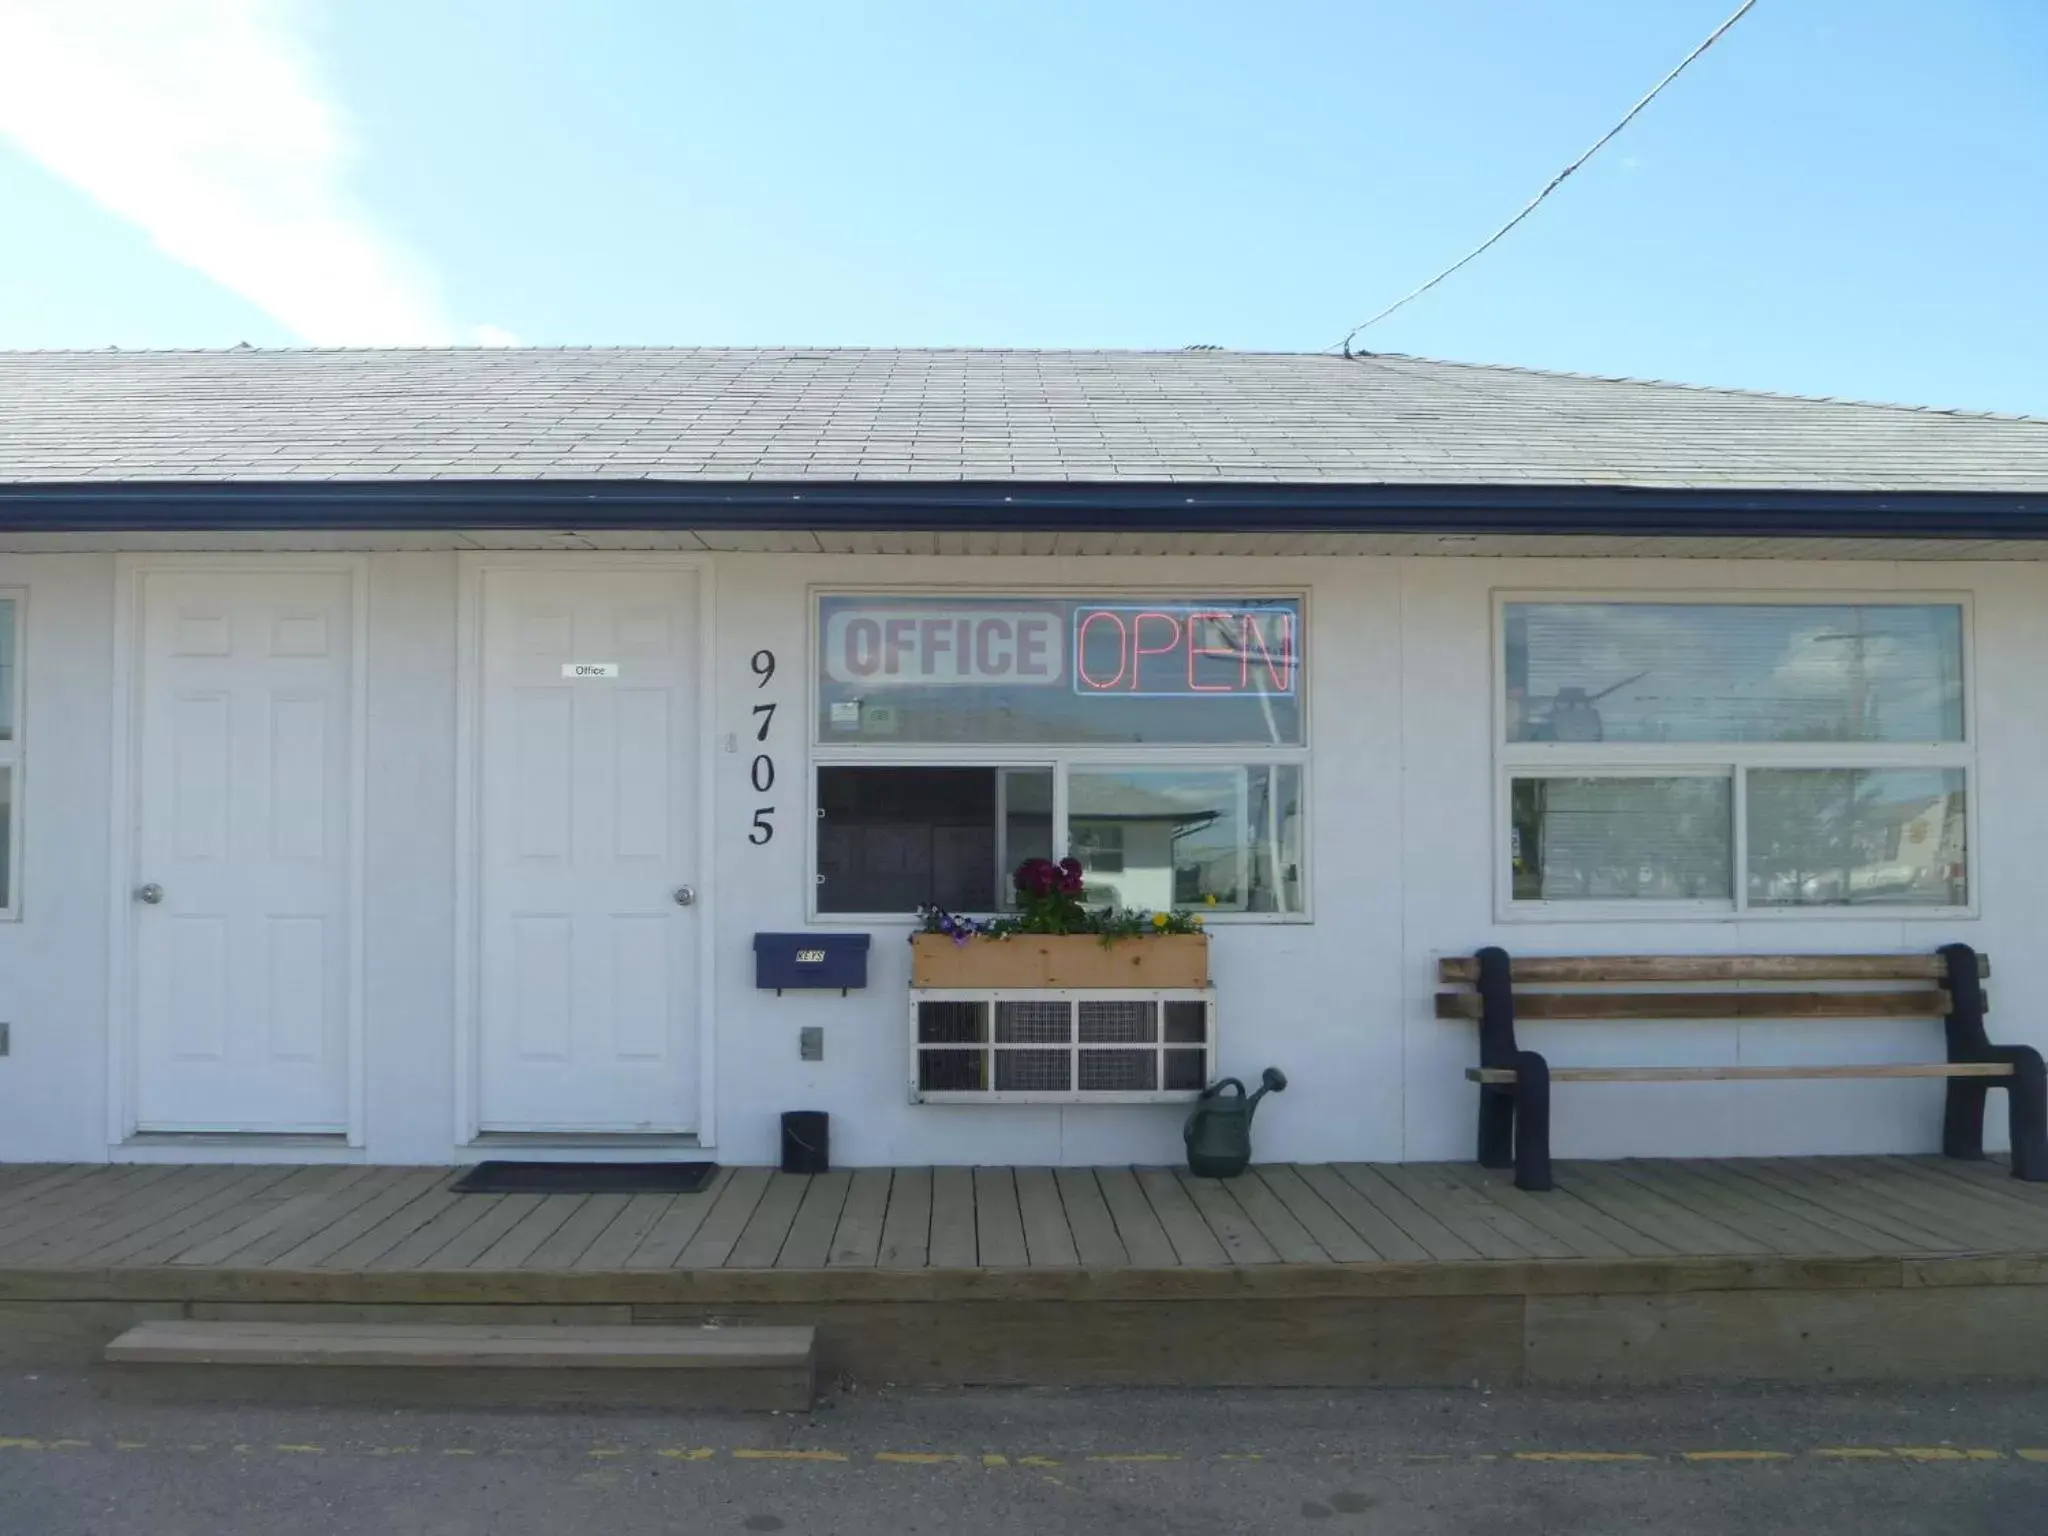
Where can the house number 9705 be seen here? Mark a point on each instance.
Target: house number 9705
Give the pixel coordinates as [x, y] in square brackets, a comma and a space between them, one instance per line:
[761, 772]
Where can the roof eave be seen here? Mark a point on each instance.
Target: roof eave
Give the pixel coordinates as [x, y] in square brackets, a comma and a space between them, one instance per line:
[1020, 506]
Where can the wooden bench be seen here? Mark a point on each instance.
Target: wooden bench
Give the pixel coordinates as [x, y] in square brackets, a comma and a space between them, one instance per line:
[1514, 1084]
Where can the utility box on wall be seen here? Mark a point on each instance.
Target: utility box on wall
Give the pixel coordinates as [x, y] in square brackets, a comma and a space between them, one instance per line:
[811, 961]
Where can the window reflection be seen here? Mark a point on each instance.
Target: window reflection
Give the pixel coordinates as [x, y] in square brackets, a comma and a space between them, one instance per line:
[1205, 838]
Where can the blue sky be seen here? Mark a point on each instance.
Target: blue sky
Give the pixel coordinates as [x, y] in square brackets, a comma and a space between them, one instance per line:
[1844, 197]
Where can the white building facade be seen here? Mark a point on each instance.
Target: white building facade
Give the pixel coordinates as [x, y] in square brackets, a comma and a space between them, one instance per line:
[418, 844]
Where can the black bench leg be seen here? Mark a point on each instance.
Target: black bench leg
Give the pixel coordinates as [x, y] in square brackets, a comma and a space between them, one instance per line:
[1962, 1126]
[1962, 1122]
[1532, 1122]
[2027, 1093]
[1496, 1126]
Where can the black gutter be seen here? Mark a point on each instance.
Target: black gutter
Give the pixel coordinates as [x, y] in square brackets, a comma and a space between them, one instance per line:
[1012, 506]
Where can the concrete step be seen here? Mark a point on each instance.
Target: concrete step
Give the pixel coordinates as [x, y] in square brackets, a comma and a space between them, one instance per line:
[469, 1365]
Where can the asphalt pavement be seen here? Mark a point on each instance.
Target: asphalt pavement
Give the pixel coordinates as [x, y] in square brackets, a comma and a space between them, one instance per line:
[1679, 1463]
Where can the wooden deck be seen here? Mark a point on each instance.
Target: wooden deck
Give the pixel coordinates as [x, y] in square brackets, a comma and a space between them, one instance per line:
[390, 1221]
[1639, 1272]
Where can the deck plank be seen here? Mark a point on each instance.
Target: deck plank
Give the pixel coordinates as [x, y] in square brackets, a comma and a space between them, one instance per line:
[46, 1179]
[1981, 1222]
[1138, 1228]
[1089, 1221]
[423, 1242]
[907, 1228]
[541, 1222]
[1283, 1231]
[1688, 1233]
[666, 1241]
[1837, 1212]
[857, 1241]
[328, 1206]
[1779, 1231]
[1997, 1195]
[394, 1194]
[1048, 1241]
[1862, 1199]
[1193, 1240]
[500, 1214]
[954, 1244]
[809, 1243]
[768, 1228]
[394, 1229]
[720, 1227]
[226, 1208]
[1468, 1212]
[256, 1224]
[998, 1223]
[1237, 1232]
[1332, 1233]
[1380, 1231]
[69, 1208]
[615, 1244]
[1438, 1240]
[1584, 1233]
[568, 1242]
[149, 1215]
[46, 1237]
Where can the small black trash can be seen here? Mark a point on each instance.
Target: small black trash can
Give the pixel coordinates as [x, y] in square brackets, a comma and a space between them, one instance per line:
[806, 1141]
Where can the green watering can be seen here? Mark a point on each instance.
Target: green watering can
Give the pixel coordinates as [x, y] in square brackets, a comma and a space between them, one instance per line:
[1219, 1132]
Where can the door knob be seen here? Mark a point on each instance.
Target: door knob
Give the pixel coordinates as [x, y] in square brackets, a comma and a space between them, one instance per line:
[686, 895]
[151, 893]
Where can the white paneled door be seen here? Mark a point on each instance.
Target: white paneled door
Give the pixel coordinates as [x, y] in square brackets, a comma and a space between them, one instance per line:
[245, 806]
[587, 783]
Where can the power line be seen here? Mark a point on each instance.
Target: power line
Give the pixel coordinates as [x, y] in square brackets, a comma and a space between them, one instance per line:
[1555, 182]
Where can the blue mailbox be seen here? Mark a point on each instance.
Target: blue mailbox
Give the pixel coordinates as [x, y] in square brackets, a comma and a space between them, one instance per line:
[811, 960]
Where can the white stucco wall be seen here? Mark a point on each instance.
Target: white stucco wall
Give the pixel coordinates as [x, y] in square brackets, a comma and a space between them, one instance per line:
[1401, 860]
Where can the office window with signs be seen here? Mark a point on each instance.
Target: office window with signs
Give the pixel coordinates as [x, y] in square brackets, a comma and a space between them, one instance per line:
[1665, 757]
[1161, 741]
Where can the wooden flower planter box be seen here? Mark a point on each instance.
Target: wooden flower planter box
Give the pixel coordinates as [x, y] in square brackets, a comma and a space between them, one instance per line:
[1158, 962]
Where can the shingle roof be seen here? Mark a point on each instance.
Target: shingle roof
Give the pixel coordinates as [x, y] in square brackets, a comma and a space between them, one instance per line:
[794, 414]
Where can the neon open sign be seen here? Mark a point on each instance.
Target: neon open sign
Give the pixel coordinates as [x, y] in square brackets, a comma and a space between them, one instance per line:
[1162, 650]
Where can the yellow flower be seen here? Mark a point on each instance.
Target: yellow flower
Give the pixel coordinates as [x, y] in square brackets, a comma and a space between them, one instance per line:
[1159, 919]
[1197, 919]
[1210, 898]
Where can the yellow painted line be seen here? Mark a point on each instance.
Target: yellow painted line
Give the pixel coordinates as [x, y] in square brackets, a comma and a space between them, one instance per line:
[1139, 1456]
[1853, 1453]
[1940, 1453]
[605, 1452]
[301, 1450]
[789, 1456]
[2032, 1455]
[1242, 1456]
[920, 1458]
[19, 1443]
[458, 1452]
[1038, 1461]
[131, 1445]
[394, 1450]
[993, 1460]
[701, 1453]
[1583, 1456]
[1738, 1455]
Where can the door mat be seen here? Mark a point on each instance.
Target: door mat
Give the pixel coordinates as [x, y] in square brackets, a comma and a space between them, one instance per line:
[500, 1177]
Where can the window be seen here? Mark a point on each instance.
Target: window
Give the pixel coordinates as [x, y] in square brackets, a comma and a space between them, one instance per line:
[1661, 757]
[10, 755]
[1160, 741]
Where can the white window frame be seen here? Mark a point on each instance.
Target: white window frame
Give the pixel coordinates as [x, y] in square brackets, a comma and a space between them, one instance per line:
[822, 752]
[1570, 760]
[13, 753]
